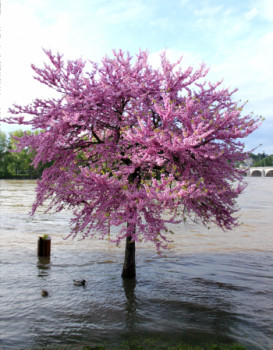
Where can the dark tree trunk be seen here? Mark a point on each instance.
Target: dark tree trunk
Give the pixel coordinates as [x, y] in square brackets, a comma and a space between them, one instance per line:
[129, 266]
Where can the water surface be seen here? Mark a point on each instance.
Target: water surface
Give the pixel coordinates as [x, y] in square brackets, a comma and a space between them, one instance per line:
[211, 286]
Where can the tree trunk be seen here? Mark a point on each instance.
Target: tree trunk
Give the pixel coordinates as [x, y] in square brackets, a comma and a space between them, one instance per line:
[129, 266]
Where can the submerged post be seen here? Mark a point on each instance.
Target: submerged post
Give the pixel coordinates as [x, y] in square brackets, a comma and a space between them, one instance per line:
[44, 246]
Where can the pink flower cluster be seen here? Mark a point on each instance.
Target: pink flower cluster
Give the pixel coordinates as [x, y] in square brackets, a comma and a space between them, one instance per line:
[126, 143]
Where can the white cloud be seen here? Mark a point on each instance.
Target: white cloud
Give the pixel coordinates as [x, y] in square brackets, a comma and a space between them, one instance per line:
[189, 59]
[250, 67]
[31, 25]
[235, 41]
[183, 3]
[24, 36]
[25, 33]
[208, 11]
[121, 11]
[253, 12]
[265, 9]
[261, 8]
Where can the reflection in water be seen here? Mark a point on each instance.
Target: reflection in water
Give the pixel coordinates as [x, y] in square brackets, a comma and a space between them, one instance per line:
[43, 265]
[212, 286]
[129, 286]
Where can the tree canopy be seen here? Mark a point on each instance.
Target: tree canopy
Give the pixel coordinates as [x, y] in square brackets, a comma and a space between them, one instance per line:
[15, 164]
[262, 159]
[128, 142]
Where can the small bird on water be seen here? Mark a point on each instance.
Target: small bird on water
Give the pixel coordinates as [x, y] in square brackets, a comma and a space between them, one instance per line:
[44, 293]
[79, 282]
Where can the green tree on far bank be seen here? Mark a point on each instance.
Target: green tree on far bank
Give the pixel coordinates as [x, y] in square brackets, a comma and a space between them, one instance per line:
[262, 159]
[19, 163]
[16, 165]
[3, 154]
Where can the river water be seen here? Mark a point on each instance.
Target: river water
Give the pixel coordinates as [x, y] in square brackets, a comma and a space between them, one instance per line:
[210, 287]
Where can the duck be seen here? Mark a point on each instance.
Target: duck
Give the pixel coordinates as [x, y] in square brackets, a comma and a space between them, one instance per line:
[79, 282]
[44, 293]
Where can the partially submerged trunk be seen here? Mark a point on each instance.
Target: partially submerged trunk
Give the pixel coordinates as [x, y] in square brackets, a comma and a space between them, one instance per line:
[129, 266]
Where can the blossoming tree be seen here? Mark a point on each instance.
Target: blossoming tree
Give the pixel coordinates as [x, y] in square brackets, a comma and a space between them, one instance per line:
[126, 142]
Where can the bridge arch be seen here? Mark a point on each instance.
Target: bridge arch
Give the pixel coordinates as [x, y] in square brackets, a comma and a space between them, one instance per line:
[256, 173]
[265, 171]
[269, 173]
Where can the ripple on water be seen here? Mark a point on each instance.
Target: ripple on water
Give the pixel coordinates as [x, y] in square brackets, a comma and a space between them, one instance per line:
[211, 286]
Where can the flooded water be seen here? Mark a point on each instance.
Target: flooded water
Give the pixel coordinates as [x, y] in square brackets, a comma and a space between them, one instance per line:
[210, 287]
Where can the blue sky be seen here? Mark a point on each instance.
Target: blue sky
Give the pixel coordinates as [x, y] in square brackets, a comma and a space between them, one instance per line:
[234, 39]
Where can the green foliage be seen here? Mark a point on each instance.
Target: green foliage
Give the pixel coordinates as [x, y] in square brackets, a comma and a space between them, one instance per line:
[3, 153]
[16, 165]
[262, 159]
[267, 161]
[3, 142]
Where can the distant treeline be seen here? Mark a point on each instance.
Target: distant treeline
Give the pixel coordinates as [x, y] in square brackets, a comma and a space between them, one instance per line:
[262, 159]
[16, 165]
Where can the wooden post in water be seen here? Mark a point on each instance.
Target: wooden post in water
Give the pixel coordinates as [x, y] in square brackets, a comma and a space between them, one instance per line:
[44, 245]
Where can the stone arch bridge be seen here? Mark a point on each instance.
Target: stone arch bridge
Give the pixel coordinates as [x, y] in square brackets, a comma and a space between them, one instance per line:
[262, 171]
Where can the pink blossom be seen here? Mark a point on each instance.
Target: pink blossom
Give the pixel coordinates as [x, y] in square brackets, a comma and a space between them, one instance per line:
[127, 142]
